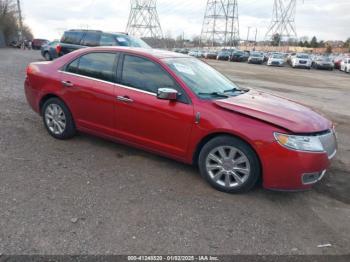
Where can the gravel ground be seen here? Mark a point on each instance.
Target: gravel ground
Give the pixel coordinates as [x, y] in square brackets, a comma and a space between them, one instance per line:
[91, 196]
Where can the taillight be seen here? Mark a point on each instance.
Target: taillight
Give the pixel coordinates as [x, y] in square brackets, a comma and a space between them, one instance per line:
[29, 70]
[58, 49]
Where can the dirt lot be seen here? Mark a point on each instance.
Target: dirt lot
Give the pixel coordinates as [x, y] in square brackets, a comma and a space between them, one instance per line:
[91, 196]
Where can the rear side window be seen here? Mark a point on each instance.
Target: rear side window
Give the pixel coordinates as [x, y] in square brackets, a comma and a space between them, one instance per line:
[91, 39]
[73, 67]
[145, 75]
[72, 37]
[108, 40]
[96, 65]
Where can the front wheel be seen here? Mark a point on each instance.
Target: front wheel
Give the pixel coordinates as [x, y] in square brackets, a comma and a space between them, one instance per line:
[57, 119]
[229, 165]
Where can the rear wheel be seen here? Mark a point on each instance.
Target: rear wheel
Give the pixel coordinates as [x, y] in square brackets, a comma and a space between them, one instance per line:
[47, 56]
[58, 119]
[229, 165]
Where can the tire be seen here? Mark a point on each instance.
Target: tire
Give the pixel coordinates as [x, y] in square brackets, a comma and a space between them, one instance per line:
[47, 56]
[58, 119]
[229, 176]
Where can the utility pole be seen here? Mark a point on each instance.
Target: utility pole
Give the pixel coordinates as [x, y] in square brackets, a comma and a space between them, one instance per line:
[220, 24]
[143, 19]
[246, 44]
[20, 20]
[283, 20]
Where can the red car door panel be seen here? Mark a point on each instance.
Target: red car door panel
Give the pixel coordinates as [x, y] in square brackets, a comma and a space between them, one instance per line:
[92, 102]
[151, 122]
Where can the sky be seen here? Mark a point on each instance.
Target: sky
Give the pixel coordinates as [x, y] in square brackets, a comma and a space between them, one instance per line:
[326, 19]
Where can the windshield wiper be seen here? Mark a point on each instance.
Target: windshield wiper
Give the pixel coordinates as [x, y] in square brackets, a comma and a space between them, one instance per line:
[219, 94]
[242, 90]
[232, 90]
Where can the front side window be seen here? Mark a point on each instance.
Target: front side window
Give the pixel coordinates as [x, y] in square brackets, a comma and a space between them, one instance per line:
[96, 65]
[145, 75]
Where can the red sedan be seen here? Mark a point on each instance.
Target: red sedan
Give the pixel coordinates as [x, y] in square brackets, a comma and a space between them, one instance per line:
[179, 107]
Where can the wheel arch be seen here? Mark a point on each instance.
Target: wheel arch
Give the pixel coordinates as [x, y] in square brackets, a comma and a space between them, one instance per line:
[211, 136]
[47, 97]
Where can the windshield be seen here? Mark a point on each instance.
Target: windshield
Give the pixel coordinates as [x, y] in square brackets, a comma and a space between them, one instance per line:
[278, 56]
[303, 56]
[125, 40]
[201, 78]
[224, 53]
[256, 54]
[325, 59]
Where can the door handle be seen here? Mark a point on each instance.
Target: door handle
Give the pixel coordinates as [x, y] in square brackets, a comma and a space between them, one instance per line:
[67, 84]
[125, 99]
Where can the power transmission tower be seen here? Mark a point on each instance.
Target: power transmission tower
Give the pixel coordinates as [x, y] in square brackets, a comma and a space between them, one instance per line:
[221, 23]
[283, 20]
[143, 19]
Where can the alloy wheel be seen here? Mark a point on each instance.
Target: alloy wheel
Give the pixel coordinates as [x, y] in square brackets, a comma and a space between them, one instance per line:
[55, 119]
[227, 166]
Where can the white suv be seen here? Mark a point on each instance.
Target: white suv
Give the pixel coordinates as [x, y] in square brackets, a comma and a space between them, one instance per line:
[301, 60]
[345, 65]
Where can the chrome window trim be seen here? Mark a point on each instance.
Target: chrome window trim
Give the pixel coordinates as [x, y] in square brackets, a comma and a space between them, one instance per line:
[108, 82]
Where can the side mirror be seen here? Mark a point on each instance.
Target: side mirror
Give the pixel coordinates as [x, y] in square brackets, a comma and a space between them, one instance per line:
[167, 94]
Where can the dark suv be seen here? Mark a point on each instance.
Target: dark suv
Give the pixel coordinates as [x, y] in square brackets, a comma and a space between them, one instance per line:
[76, 39]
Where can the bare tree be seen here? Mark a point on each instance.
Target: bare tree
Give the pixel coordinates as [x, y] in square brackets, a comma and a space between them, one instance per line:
[9, 24]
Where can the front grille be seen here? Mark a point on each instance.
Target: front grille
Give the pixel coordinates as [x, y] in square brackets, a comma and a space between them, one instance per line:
[302, 62]
[329, 143]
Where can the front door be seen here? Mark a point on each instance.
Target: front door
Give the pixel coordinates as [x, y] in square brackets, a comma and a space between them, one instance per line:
[142, 118]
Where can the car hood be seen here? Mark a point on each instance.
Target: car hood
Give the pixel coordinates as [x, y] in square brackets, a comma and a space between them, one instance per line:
[277, 111]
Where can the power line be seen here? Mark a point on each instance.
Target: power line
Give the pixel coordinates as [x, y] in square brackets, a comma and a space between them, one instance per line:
[143, 19]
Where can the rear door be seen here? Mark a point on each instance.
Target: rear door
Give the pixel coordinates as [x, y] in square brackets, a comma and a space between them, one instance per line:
[141, 117]
[89, 91]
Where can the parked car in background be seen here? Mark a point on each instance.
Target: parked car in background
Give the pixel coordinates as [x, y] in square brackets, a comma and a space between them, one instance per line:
[290, 57]
[323, 62]
[182, 108]
[301, 60]
[75, 39]
[345, 65]
[195, 53]
[184, 51]
[38, 43]
[239, 56]
[15, 44]
[48, 51]
[276, 60]
[256, 58]
[337, 61]
[224, 55]
[210, 54]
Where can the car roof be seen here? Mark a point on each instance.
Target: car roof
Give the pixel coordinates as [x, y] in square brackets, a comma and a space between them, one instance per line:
[157, 53]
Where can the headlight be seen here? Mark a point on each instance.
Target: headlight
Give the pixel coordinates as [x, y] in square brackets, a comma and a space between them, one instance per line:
[301, 143]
